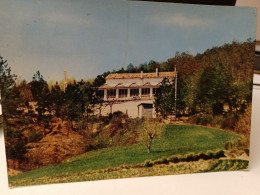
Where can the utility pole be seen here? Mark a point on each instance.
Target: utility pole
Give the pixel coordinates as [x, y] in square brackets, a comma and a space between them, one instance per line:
[175, 70]
[65, 81]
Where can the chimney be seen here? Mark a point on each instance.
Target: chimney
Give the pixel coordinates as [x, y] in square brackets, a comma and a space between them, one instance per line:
[65, 80]
[141, 74]
[157, 73]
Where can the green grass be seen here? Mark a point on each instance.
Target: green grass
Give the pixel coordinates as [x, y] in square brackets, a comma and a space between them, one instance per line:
[175, 140]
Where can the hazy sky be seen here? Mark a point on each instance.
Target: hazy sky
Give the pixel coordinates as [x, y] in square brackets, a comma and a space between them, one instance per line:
[88, 37]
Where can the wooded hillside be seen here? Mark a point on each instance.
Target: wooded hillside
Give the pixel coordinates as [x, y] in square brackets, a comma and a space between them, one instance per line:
[214, 89]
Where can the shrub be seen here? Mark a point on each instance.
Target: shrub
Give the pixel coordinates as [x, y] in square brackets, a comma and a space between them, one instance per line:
[242, 144]
[59, 127]
[220, 154]
[244, 122]
[201, 119]
[190, 157]
[35, 136]
[162, 161]
[148, 163]
[229, 122]
[174, 159]
[203, 156]
[217, 121]
[118, 114]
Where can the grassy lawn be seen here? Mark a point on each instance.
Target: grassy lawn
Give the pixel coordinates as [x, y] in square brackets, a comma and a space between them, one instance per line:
[175, 140]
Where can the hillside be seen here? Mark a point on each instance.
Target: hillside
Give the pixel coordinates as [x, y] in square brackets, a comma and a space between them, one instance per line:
[49, 149]
[177, 144]
[56, 146]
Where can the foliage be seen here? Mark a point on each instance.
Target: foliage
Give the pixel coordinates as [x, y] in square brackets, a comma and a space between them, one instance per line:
[79, 101]
[164, 98]
[57, 98]
[15, 144]
[42, 96]
[244, 122]
[7, 83]
[150, 129]
[115, 130]
[35, 136]
[213, 89]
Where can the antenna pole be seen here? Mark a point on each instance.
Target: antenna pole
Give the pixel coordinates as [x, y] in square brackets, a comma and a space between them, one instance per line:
[65, 80]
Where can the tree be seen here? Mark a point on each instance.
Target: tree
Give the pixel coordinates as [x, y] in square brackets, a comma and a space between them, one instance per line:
[79, 102]
[151, 128]
[164, 98]
[214, 89]
[100, 79]
[130, 67]
[11, 101]
[57, 98]
[71, 105]
[25, 94]
[152, 65]
[7, 82]
[41, 95]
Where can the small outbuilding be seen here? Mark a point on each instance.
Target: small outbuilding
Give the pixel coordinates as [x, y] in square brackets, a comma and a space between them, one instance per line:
[145, 110]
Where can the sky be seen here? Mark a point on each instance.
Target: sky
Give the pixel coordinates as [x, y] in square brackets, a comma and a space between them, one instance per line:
[89, 37]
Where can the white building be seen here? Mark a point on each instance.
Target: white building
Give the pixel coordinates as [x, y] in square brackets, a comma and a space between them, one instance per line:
[132, 86]
[127, 91]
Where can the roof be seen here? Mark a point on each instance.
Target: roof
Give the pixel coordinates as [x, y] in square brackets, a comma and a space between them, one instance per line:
[120, 85]
[138, 75]
[147, 84]
[104, 86]
[132, 85]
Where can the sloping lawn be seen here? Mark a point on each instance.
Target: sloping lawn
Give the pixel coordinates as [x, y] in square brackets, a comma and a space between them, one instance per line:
[175, 140]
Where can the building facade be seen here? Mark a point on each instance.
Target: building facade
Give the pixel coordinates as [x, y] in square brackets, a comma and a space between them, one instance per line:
[132, 93]
[132, 86]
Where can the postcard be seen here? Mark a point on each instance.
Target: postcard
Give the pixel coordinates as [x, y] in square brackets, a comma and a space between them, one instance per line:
[106, 89]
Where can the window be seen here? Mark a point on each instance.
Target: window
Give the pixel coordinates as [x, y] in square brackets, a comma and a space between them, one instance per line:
[111, 93]
[122, 93]
[155, 90]
[134, 92]
[145, 91]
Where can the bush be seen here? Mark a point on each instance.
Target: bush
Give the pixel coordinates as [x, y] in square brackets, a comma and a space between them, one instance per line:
[162, 161]
[148, 163]
[217, 121]
[244, 122]
[174, 159]
[118, 114]
[240, 145]
[201, 119]
[35, 136]
[190, 157]
[229, 122]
